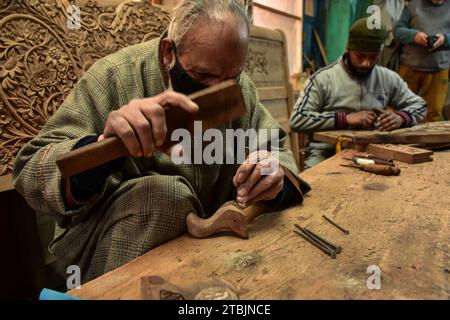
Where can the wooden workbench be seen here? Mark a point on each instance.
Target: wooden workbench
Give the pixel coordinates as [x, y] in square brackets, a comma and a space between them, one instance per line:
[400, 224]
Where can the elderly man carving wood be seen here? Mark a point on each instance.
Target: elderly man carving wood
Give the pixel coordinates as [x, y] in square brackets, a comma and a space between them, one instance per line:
[127, 207]
[355, 93]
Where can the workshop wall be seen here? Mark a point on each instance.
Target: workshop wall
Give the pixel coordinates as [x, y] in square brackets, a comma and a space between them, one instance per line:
[340, 16]
[287, 16]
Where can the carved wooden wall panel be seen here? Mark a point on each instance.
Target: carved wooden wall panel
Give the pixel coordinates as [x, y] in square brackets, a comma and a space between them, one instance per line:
[41, 59]
[263, 64]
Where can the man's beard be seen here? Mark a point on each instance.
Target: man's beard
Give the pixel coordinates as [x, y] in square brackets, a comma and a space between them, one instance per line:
[358, 72]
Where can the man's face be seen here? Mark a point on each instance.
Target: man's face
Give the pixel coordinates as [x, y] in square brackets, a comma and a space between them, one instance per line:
[363, 62]
[211, 53]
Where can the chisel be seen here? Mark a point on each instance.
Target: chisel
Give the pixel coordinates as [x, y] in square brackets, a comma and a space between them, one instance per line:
[366, 161]
[376, 168]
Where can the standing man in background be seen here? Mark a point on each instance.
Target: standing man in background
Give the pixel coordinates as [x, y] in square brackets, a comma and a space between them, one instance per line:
[391, 11]
[424, 29]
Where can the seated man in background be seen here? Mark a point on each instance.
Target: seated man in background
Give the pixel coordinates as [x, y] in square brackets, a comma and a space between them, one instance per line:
[355, 93]
[123, 209]
[424, 31]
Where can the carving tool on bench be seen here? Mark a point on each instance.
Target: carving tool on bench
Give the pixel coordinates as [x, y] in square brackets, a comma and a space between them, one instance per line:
[318, 242]
[366, 161]
[361, 161]
[345, 231]
[377, 159]
[376, 168]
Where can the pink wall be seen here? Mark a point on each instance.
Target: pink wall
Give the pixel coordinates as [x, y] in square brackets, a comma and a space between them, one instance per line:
[291, 27]
[291, 6]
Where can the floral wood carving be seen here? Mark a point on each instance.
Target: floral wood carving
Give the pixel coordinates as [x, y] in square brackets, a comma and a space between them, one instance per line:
[256, 63]
[41, 59]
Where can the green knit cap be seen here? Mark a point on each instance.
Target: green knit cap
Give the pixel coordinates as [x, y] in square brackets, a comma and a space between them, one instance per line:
[364, 39]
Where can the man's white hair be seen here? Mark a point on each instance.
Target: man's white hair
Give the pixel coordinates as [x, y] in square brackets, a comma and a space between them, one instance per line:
[187, 13]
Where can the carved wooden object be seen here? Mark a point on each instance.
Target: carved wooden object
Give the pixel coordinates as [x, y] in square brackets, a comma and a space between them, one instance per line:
[41, 58]
[158, 288]
[228, 218]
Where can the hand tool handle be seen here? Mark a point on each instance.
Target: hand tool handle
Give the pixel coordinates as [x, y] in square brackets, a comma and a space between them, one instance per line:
[381, 169]
[364, 162]
[377, 159]
[367, 161]
[383, 162]
[91, 156]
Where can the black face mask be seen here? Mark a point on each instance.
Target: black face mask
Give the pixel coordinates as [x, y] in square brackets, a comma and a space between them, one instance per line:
[181, 81]
[358, 72]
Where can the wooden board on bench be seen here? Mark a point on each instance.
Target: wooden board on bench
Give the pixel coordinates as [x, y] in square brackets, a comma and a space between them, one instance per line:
[401, 153]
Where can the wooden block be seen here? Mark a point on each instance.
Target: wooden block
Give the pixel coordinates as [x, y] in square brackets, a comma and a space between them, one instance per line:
[401, 153]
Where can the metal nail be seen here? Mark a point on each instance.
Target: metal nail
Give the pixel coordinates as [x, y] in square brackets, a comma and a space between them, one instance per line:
[345, 231]
[326, 250]
[319, 239]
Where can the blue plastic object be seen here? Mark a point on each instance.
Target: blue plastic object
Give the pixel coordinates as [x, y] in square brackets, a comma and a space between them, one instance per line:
[47, 294]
